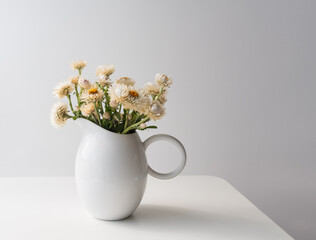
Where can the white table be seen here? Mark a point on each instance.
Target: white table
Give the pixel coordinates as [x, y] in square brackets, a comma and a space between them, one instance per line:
[186, 207]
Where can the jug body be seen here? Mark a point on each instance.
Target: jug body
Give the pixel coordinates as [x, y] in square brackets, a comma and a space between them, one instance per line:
[111, 172]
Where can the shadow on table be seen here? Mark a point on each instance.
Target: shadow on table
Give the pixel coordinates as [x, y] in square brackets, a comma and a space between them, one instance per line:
[169, 219]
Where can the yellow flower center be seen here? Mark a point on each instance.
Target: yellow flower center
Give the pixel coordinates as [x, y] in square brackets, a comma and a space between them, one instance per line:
[133, 93]
[93, 91]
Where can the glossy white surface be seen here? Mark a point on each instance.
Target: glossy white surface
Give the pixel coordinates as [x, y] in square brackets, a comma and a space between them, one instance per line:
[111, 170]
[184, 208]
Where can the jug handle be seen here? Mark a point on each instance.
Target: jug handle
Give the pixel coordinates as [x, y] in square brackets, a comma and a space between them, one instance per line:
[178, 144]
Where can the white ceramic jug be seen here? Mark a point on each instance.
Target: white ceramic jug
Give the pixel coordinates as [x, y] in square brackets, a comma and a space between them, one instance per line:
[111, 170]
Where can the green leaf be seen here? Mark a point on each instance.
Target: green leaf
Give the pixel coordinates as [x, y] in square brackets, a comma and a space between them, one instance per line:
[117, 115]
[146, 128]
[150, 127]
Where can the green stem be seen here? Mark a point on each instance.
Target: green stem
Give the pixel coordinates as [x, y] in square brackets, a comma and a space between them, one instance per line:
[108, 99]
[68, 116]
[101, 107]
[85, 117]
[70, 104]
[158, 96]
[97, 112]
[95, 118]
[126, 119]
[77, 95]
[135, 125]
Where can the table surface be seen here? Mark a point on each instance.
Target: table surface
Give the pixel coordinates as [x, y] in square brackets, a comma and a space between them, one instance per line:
[186, 207]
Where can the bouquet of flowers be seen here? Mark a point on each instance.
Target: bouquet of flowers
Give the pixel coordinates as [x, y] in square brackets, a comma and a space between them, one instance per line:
[119, 107]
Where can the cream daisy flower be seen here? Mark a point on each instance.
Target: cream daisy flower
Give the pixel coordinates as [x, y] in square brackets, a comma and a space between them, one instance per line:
[118, 92]
[87, 109]
[131, 97]
[162, 99]
[104, 81]
[63, 89]
[136, 100]
[92, 95]
[105, 70]
[84, 83]
[74, 79]
[126, 81]
[163, 80]
[152, 89]
[59, 114]
[78, 65]
[155, 111]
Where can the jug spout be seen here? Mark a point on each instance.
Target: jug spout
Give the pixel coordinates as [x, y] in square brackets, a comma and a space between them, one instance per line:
[80, 123]
[87, 126]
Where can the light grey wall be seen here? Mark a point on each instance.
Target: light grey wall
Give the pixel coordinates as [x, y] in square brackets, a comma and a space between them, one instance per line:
[243, 99]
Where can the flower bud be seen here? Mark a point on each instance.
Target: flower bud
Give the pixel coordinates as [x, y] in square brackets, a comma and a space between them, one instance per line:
[74, 79]
[142, 125]
[113, 104]
[84, 83]
[106, 115]
[156, 109]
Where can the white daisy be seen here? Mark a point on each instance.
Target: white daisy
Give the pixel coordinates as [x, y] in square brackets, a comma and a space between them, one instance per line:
[105, 70]
[74, 79]
[87, 109]
[59, 114]
[118, 92]
[92, 95]
[136, 100]
[162, 99]
[152, 89]
[126, 81]
[78, 65]
[63, 89]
